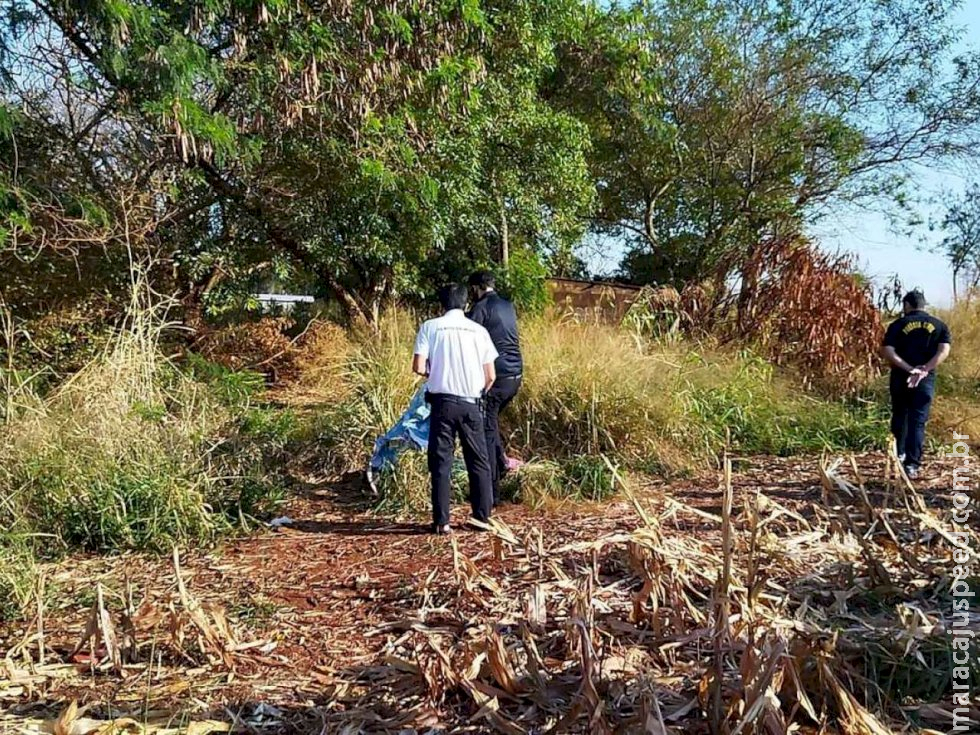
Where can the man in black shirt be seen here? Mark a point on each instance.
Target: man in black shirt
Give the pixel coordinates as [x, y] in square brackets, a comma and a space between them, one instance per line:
[915, 345]
[498, 317]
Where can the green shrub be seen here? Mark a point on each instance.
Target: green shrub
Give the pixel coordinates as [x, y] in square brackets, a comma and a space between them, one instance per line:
[760, 414]
[523, 281]
[233, 388]
[276, 427]
[589, 478]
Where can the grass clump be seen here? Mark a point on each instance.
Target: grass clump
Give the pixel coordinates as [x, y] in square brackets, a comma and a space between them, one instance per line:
[742, 401]
[129, 453]
[406, 487]
[591, 390]
[18, 575]
[542, 483]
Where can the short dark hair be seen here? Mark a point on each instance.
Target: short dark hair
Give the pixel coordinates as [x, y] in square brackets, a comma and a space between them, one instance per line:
[483, 279]
[453, 296]
[914, 299]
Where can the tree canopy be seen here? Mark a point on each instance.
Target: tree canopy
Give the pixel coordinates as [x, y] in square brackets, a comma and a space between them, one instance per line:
[717, 124]
[372, 148]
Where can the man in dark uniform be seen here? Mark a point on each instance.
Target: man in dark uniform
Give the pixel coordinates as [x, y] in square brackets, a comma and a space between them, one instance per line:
[915, 345]
[456, 356]
[497, 314]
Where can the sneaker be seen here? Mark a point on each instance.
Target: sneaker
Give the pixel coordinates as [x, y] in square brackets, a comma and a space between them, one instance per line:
[912, 471]
[442, 530]
[901, 458]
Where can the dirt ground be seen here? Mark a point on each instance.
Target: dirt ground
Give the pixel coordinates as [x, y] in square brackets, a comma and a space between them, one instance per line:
[311, 627]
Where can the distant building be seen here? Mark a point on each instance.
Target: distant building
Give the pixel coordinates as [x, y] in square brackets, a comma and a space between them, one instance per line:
[604, 300]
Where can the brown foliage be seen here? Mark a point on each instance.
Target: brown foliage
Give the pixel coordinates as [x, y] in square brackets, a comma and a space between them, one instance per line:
[811, 311]
[266, 347]
[263, 346]
[323, 356]
[801, 308]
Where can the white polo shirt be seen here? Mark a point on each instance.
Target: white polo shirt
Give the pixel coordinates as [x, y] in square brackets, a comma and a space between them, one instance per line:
[457, 348]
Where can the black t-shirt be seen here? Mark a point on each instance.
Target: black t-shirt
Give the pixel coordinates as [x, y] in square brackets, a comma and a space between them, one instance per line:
[916, 337]
[498, 317]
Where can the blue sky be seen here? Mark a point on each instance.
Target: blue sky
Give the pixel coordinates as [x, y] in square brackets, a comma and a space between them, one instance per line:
[883, 253]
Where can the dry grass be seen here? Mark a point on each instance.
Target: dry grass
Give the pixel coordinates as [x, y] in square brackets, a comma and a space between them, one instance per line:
[957, 407]
[963, 321]
[129, 453]
[759, 618]
[743, 629]
[591, 390]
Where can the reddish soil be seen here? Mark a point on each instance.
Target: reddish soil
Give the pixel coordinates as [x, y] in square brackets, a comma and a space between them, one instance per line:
[325, 596]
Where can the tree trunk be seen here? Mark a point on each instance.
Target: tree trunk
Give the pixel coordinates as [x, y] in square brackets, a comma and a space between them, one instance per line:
[504, 235]
[356, 313]
[381, 292]
[745, 306]
[648, 223]
[192, 302]
[750, 272]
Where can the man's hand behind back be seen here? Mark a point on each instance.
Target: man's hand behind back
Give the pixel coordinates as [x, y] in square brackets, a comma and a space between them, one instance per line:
[916, 376]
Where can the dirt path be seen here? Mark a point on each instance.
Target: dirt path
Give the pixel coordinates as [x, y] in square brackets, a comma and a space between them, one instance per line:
[318, 610]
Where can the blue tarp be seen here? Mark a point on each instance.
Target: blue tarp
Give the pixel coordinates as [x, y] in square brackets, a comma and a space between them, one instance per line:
[411, 431]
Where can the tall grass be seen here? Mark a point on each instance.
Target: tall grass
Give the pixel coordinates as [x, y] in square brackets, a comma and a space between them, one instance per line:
[592, 390]
[963, 320]
[957, 407]
[129, 453]
[597, 389]
[372, 386]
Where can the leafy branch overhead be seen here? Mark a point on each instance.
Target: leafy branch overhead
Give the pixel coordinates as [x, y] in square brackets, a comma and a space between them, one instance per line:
[369, 149]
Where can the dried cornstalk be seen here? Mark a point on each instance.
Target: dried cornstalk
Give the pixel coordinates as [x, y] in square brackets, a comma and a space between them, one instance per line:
[722, 632]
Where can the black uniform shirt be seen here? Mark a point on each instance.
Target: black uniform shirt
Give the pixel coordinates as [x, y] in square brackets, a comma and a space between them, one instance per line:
[497, 315]
[916, 338]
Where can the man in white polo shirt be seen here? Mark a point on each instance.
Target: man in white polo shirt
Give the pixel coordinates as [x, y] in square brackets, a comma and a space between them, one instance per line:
[457, 356]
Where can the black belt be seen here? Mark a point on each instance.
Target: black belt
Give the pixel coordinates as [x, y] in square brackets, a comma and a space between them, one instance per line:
[510, 377]
[449, 398]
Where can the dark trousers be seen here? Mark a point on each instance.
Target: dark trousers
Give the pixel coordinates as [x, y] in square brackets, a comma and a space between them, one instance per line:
[910, 411]
[451, 417]
[501, 393]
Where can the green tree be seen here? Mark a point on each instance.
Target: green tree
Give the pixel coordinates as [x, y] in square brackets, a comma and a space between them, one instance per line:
[359, 140]
[961, 244]
[719, 126]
